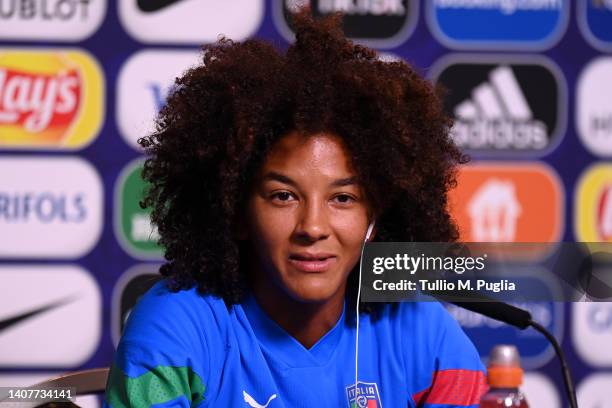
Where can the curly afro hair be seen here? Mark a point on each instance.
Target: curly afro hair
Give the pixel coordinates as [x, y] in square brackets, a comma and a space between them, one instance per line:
[225, 114]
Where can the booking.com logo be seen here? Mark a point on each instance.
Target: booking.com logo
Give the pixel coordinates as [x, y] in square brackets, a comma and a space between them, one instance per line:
[595, 20]
[509, 24]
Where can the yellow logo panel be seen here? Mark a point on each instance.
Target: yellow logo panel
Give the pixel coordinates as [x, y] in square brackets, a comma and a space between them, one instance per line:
[51, 99]
[593, 216]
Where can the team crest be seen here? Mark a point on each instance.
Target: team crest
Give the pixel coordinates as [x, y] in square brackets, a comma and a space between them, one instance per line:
[365, 396]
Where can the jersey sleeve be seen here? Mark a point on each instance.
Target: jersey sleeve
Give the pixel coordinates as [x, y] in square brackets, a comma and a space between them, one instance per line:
[451, 373]
[162, 358]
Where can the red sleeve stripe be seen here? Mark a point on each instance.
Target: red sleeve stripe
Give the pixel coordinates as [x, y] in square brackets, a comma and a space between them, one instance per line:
[454, 387]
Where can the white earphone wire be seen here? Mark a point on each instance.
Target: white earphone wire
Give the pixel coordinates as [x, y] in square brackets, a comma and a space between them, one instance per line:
[370, 228]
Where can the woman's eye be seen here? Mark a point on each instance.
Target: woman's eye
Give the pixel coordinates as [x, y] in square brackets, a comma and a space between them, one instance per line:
[344, 199]
[282, 196]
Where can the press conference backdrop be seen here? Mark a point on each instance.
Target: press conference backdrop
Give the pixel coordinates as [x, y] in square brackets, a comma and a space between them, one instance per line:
[80, 81]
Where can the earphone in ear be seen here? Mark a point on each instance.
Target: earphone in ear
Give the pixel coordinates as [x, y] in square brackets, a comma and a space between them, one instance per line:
[370, 229]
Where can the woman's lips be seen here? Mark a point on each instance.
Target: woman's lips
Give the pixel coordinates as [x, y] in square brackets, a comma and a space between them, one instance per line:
[318, 265]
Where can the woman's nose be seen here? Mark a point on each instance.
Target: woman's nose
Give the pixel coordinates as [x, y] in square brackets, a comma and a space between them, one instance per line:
[313, 223]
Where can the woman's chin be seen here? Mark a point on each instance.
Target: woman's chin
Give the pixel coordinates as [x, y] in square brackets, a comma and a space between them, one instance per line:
[315, 292]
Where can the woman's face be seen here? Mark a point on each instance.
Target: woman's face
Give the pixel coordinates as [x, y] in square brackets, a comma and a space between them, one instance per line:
[307, 219]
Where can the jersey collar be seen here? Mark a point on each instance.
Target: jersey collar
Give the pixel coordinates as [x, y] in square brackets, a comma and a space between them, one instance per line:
[280, 345]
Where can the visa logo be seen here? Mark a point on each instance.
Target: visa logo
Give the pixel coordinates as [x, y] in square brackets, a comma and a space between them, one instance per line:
[145, 81]
[159, 94]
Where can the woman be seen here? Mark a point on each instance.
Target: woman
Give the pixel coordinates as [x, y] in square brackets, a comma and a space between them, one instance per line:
[266, 173]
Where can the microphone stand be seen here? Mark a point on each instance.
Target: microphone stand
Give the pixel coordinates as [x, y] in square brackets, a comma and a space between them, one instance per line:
[567, 377]
[521, 319]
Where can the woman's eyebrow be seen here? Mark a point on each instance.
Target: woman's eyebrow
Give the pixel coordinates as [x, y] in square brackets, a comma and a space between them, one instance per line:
[274, 176]
[344, 182]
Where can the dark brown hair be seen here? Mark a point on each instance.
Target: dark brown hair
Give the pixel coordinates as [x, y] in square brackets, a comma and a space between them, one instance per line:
[225, 114]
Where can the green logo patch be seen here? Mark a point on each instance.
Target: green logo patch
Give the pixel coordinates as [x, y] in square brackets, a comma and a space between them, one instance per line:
[133, 227]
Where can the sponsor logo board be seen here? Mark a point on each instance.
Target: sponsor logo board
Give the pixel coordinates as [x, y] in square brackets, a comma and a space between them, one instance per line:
[594, 391]
[594, 107]
[504, 106]
[508, 202]
[50, 316]
[133, 227]
[188, 21]
[52, 99]
[540, 391]
[475, 24]
[592, 332]
[44, 20]
[143, 85]
[534, 349]
[50, 207]
[383, 24]
[129, 288]
[595, 20]
[593, 209]
[24, 379]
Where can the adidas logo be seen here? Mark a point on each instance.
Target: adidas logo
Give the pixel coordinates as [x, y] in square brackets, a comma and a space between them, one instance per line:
[498, 116]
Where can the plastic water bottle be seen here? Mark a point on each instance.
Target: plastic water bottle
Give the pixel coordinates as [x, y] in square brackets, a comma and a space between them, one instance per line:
[505, 376]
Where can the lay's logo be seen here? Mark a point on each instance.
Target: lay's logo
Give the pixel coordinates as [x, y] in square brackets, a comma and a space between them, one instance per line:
[49, 100]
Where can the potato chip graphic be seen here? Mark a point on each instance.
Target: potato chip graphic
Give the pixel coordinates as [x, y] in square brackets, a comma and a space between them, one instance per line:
[51, 100]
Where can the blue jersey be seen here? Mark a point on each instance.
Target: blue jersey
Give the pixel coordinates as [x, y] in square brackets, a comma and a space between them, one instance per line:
[184, 349]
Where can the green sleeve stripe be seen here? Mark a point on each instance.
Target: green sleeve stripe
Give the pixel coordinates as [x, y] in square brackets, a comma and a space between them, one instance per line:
[161, 384]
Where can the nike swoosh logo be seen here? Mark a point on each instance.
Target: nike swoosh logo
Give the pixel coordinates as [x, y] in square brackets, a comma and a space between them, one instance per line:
[150, 6]
[12, 321]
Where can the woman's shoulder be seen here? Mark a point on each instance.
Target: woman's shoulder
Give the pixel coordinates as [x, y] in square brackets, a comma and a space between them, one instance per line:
[161, 312]
[429, 323]
[433, 333]
[166, 347]
[160, 295]
[173, 329]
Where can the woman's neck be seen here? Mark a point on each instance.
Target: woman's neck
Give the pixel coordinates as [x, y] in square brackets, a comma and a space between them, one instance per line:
[306, 322]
